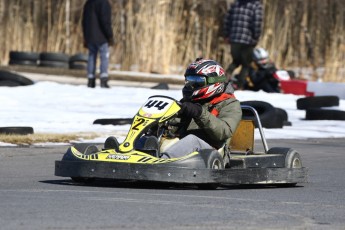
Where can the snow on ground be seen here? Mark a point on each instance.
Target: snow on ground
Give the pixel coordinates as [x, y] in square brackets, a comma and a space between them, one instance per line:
[51, 107]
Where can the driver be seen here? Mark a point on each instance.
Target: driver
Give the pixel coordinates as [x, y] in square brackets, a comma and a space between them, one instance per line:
[209, 113]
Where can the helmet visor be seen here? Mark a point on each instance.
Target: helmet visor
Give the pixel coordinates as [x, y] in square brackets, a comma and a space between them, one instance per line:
[195, 81]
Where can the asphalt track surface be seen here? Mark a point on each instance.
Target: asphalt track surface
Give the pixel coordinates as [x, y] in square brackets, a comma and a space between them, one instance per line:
[31, 197]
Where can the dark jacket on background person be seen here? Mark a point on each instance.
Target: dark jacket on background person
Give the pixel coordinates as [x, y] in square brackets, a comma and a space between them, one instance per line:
[242, 23]
[96, 22]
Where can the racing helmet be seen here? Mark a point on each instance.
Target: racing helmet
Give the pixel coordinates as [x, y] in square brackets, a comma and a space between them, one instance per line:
[204, 79]
[261, 57]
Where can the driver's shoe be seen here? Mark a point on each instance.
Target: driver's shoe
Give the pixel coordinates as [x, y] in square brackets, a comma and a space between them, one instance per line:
[111, 143]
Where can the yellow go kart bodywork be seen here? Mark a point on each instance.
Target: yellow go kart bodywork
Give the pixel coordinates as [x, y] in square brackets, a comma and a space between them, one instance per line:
[277, 166]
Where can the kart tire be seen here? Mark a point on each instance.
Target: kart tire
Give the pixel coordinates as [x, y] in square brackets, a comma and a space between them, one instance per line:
[317, 102]
[23, 62]
[91, 149]
[24, 56]
[325, 114]
[53, 64]
[281, 118]
[266, 112]
[78, 61]
[9, 76]
[77, 65]
[213, 160]
[79, 58]
[282, 114]
[111, 143]
[292, 160]
[87, 149]
[55, 57]
[16, 130]
[9, 83]
[113, 121]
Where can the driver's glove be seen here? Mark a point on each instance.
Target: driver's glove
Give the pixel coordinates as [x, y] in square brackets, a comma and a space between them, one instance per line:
[190, 110]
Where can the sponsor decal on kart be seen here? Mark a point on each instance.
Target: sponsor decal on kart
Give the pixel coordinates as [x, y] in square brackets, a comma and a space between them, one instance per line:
[118, 157]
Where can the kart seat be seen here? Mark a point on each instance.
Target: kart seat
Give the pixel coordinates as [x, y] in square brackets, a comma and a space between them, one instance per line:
[243, 138]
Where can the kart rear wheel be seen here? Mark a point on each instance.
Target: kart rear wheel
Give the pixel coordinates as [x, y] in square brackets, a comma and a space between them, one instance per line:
[292, 160]
[214, 161]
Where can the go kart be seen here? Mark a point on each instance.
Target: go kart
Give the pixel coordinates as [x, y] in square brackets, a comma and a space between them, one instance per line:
[206, 168]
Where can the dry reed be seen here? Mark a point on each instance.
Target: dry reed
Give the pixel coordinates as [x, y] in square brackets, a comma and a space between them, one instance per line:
[165, 35]
[45, 138]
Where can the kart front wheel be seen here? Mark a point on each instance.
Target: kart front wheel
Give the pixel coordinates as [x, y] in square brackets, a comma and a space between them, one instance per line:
[87, 150]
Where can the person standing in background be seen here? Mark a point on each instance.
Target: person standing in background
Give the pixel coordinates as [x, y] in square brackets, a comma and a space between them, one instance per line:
[242, 30]
[98, 36]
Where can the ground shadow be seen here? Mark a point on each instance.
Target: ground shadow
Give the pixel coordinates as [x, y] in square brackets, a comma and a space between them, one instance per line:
[158, 185]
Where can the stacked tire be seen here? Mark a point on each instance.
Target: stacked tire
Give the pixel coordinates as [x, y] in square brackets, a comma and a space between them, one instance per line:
[23, 58]
[316, 108]
[270, 116]
[78, 61]
[49, 59]
[16, 130]
[10, 79]
[53, 60]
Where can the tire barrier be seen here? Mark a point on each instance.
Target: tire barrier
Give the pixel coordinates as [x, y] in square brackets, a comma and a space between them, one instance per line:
[23, 58]
[113, 121]
[283, 117]
[270, 117]
[78, 61]
[54, 60]
[317, 102]
[12, 79]
[20, 130]
[314, 111]
[324, 114]
[9, 83]
[49, 59]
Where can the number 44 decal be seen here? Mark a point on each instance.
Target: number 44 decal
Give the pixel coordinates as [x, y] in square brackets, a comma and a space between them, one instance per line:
[157, 104]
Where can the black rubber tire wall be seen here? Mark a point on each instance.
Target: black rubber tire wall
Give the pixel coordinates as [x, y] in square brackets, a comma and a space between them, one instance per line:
[16, 130]
[317, 102]
[324, 114]
[22, 62]
[9, 76]
[58, 57]
[113, 121]
[9, 83]
[79, 58]
[24, 56]
[78, 61]
[53, 64]
[267, 114]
